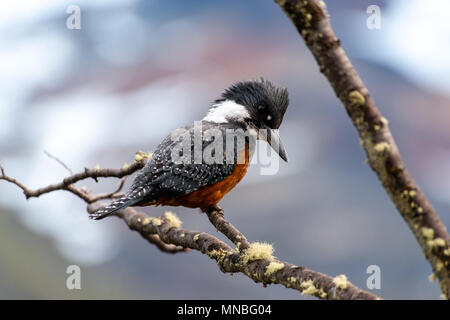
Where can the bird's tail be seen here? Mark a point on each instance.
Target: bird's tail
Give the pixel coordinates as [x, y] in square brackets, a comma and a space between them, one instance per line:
[118, 204]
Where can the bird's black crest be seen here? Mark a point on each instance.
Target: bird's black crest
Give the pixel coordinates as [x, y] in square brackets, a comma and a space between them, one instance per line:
[257, 93]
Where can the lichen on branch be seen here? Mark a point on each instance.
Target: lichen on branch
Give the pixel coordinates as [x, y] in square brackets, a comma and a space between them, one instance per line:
[255, 260]
[311, 20]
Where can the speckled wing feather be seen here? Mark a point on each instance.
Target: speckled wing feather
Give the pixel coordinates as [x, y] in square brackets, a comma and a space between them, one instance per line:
[165, 177]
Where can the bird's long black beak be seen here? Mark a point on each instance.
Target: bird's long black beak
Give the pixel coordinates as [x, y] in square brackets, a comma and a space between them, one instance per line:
[273, 138]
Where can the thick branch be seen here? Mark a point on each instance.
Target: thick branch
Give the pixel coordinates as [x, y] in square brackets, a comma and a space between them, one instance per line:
[260, 268]
[254, 260]
[310, 19]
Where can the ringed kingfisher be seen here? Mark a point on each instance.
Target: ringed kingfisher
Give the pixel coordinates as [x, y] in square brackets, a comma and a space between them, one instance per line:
[255, 108]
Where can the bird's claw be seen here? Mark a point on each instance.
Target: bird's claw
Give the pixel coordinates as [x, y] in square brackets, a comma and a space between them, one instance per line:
[215, 208]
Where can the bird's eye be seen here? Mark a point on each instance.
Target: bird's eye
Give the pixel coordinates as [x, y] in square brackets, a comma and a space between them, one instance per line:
[261, 108]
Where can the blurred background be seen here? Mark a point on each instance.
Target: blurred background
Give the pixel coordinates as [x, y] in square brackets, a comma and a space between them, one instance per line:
[139, 68]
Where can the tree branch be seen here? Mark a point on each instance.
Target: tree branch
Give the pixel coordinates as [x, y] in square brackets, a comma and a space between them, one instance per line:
[255, 260]
[310, 19]
[65, 166]
[67, 183]
[235, 236]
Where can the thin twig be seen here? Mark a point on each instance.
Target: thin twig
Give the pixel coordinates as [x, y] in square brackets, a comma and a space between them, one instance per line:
[58, 160]
[94, 173]
[110, 195]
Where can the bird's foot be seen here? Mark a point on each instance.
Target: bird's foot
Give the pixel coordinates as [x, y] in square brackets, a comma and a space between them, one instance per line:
[215, 208]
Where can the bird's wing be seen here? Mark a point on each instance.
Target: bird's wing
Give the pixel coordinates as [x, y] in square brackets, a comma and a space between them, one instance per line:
[171, 172]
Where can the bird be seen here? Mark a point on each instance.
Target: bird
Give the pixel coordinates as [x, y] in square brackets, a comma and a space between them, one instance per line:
[197, 165]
